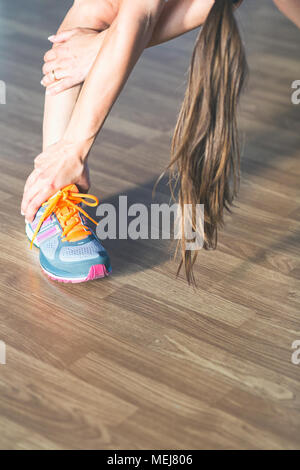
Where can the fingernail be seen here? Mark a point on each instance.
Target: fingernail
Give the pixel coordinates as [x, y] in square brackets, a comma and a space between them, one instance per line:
[50, 56]
[22, 213]
[42, 83]
[50, 38]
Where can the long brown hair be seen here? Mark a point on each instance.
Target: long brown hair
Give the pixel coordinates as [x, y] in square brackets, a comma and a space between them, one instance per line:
[204, 167]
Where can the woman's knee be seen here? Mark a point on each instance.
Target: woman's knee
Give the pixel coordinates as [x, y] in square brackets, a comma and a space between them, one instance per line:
[281, 4]
[97, 12]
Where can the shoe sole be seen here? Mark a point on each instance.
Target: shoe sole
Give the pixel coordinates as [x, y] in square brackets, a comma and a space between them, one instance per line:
[98, 271]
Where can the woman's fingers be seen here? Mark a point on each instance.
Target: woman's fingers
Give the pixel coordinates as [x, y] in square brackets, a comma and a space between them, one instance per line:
[63, 36]
[49, 66]
[48, 80]
[25, 211]
[29, 182]
[32, 186]
[53, 78]
[41, 161]
[37, 200]
[60, 86]
[50, 55]
[36, 194]
[56, 167]
[53, 71]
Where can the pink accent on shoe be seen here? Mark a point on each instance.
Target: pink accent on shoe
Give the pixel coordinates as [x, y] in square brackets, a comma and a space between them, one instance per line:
[48, 233]
[96, 272]
[46, 222]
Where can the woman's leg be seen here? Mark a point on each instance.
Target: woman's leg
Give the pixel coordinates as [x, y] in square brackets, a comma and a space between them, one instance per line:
[58, 109]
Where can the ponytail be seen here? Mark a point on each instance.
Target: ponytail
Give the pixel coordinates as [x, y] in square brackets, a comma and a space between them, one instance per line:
[204, 167]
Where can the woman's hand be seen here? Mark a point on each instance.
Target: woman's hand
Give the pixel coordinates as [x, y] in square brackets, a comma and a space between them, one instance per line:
[60, 165]
[71, 58]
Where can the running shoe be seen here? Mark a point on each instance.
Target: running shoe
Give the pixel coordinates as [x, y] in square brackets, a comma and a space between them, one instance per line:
[69, 250]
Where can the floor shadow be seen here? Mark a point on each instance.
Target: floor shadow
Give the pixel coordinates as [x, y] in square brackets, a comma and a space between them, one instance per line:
[128, 255]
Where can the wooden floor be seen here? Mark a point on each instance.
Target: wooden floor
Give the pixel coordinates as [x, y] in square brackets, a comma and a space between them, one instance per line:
[141, 360]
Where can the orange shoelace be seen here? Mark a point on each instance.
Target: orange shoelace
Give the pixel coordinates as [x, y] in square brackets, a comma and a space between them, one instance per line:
[64, 205]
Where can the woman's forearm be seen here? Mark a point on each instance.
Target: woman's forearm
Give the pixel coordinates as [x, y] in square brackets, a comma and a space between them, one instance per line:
[122, 46]
[179, 17]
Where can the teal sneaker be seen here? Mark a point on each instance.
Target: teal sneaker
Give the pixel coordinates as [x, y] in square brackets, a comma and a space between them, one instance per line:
[69, 250]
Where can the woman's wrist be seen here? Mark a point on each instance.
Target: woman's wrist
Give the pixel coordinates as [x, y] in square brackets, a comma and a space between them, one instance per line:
[79, 148]
[84, 148]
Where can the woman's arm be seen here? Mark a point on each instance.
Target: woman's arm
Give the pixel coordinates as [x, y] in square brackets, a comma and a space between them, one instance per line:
[179, 17]
[123, 44]
[75, 50]
[64, 163]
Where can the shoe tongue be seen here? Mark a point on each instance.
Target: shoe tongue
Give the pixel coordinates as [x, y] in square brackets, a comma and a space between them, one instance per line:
[72, 187]
[79, 232]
